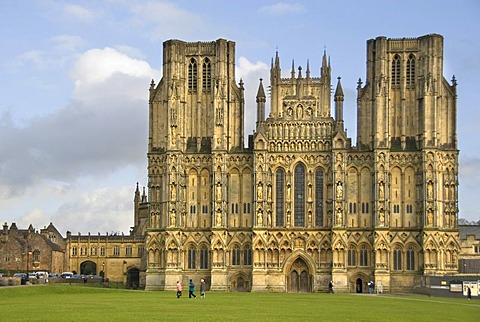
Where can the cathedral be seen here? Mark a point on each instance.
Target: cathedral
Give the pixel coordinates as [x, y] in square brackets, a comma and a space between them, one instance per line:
[298, 206]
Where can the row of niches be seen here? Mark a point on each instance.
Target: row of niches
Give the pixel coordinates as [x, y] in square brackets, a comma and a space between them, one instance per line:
[300, 130]
[302, 145]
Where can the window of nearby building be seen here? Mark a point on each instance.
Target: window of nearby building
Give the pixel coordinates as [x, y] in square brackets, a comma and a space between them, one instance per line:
[396, 71]
[476, 249]
[247, 255]
[74, 251]
[299, 196]
[192, 75]
[204, 258]
[236, 255]
[93, 251]
[207, 75]
[279, 196]
[53, 238]
[352, 256]
[319, 197]
[83, 251]
[128, 251]
[363, 256]
[411, 70]
[397, 259]
[140, 251]
[36, 255]
[191, 257]
[246, 208]
[116, 251]
[102, 251]
[410, 259]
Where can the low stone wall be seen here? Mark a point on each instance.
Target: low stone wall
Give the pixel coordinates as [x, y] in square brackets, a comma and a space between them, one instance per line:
[10, 281]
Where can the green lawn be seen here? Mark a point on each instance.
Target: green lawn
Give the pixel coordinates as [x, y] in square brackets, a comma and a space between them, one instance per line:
[63, 302]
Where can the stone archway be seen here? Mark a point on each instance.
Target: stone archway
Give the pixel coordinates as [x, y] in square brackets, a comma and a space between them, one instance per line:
[359, 285]
[133, 278]
[88, 268]
[239, 283]
[298, 277]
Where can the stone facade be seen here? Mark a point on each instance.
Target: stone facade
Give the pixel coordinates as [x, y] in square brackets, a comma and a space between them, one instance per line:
[301, 206]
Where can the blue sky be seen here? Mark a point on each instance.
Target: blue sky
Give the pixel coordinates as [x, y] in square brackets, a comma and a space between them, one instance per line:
[74, 78]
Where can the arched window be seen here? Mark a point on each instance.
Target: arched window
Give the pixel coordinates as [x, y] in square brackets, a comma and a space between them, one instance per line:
[236, 255]
[410, 259]
[352, 256]
[299, 196]
[396, 71]
[247, 255]
[363, 256]
[397, 259]
[191, 257]
[204, 258]
[319, 197]
[192, 75]
[36, 255]
[411, 70]
[279, 197]
[207, 75]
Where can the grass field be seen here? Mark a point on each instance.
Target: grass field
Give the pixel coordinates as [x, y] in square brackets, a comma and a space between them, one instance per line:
[61, 302]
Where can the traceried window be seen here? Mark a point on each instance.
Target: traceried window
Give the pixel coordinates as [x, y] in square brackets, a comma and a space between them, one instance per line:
[279, 197]
[93, 251]
[74, 251]
[352, 256]
[299, 196]
[411, 70]
[397, 259]
[83, 251]
[102, 251]
[319, 198]
[207, 75]
[410, 259]
[36, 255]
[116, 251]
[396, 71]
[363, 256]
[247, 255]
[140, 250]
[192, 253]
[192, 75]
[204, 258]
[236, 255]
[128, 251]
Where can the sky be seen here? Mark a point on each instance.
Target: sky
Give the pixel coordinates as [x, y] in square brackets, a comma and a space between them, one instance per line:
[74, 79]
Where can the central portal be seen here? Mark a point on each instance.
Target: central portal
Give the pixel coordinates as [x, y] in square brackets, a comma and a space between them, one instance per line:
[298, 280]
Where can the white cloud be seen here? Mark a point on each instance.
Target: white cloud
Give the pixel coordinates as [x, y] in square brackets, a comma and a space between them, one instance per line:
[281, 8]
[79, 13]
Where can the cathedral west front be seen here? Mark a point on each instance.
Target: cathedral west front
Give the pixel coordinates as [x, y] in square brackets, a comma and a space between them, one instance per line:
[298, 206]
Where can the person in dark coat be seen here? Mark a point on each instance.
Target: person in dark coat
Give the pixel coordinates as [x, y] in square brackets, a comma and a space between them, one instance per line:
[202, 288]
[469, 293]
[330, 287]
[191, 289]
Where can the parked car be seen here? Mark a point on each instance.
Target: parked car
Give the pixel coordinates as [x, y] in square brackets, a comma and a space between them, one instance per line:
[23, 277]
[66, 275]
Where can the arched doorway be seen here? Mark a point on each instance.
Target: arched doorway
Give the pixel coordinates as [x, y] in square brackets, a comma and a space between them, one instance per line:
[133, 278]
[240, 283]
[298, 279]
[88, 268]
[359, 286]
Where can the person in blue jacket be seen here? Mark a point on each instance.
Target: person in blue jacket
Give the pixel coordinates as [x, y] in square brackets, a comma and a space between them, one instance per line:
[191, 289]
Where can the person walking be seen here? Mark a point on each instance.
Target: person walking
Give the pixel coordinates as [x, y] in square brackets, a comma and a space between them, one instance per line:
[191, 289]
[330, 287]
[202, 288]
[469, 293]
[179, 289]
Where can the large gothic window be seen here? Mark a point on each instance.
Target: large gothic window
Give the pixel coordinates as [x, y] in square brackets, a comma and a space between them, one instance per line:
[247, 255]
[396, 71]
[397, 259]
[411, 70]
[352, 256]
[236, 255]
[191, 257]
[363, 256]
[204, 258]
[410, 259]
[319, 197]
[207, 75]
[279, 197]
[192, 75]
[299, 196]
